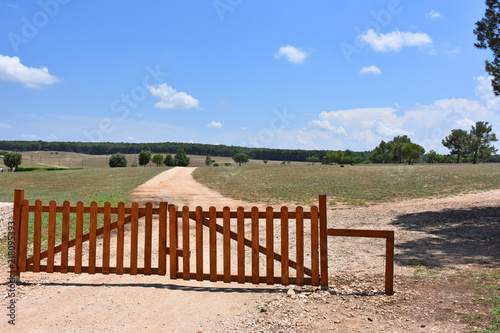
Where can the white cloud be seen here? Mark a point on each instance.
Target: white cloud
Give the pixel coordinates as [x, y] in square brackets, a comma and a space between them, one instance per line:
[243, 128]
[432, 15]
[172, 99]
[51, 137]
[12, 70]
[215, 124]
[292, 54]
[5, 126]
[383, 130]
[326, 125]
[394, 41]
[130, 138]
[370, 70]
[28, 136]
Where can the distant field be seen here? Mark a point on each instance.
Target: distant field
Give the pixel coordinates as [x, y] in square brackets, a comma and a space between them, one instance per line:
[76, 160]
[101, 185]
[353, 185]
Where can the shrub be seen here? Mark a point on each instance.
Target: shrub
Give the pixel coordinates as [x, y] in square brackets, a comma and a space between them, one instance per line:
[117, 160]
[216, 164]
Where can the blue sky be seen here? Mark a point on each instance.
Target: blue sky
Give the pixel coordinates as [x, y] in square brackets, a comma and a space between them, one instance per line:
[278, 74]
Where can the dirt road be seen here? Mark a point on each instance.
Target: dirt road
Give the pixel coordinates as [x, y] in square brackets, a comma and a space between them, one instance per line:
[450, 233]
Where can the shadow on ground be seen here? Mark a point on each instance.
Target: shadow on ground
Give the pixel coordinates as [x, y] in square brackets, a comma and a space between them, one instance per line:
[451, 238]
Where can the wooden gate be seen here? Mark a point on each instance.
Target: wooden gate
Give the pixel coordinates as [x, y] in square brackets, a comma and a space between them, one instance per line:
[284, 247]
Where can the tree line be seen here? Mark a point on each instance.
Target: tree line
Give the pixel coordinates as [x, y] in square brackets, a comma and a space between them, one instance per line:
[102, 148]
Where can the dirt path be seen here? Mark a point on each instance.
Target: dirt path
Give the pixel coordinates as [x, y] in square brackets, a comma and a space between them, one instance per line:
[451, 233]
[177, 186]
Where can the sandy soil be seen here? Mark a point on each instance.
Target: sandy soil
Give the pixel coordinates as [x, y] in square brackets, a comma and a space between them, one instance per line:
[447, 234]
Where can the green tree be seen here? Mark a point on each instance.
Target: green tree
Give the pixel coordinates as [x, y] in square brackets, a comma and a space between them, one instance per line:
[169, 160]
[12, 160]
[265, 161]
[481, 138]
[180, 158]
[144, 157]
[158, 160]
[117, 160]
[411, 151]
[488, 36]
[433, 157]
[208, 160]
[312, 159]
[457, 142]
[331, 157]
[240, 158]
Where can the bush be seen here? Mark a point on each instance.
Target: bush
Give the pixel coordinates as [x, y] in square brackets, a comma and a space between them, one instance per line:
[181, 158]
[144, 157]
[216, 164]
[169, 160]
[117, 160]
[227, 164]
[158, 160]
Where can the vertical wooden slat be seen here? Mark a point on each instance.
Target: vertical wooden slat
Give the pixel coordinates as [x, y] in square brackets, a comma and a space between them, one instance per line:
[255, 245]
[270, 245]
[148, 234]
[37, 236]
[51, 236]
[23, 240]
[186, 253]
[106, 238]
[240, 213]
[199, 243]
[227, 243]
[78, 237]
[314, 246]
[18, 200]
[299, 219]
[284, 246]
[323, 243]
[213, 244]
[134, 238]
[92, 237]
[120, 237]
[389, 264]
[162, 239]
[65, 237]
[173, 242]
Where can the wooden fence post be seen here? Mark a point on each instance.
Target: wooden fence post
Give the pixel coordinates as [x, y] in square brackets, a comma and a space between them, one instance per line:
[389, 264]
[323, 244]
[14, 258]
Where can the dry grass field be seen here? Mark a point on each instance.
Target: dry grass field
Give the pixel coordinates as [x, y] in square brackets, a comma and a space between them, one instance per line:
[352, 185]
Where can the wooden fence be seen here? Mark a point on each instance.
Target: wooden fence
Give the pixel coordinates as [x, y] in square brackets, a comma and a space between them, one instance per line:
[284, 247]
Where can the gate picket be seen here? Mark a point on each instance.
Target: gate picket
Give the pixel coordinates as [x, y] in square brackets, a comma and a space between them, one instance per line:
[241, 244]
[255, 245]
[51, 236]
[120, 238]
[270, 245]
[162, 239]
[37, 235]
[186, 255]
[227, 244]
[148, 234]
[199, 243]
[134, 238]
[79, 236]
[106, 242]
[92, 239]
